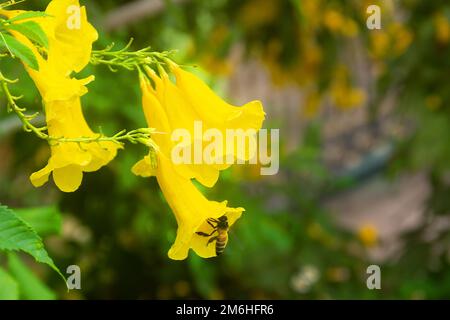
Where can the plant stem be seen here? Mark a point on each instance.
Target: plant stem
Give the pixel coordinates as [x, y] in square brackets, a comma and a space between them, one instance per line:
[142, 135]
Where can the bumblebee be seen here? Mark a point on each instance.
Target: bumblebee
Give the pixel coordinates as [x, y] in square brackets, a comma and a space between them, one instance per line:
[220, 227]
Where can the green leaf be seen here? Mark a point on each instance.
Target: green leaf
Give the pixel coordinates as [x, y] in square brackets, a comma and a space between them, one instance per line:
[32, 31]
[9, 290]
[19, 50]
[17, 235]
[28, 15]
[31, 287]
[44, 220]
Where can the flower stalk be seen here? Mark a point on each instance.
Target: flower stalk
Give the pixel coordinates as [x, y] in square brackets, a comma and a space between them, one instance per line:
[141, 135]
[130, 60]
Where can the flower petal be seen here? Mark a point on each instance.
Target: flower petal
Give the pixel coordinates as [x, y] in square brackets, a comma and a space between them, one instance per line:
[191, 210]
[71, 35]
[200, 244]
[157, 115]
[68, 179]
[144, 168]
[39, 178]
[214, 110]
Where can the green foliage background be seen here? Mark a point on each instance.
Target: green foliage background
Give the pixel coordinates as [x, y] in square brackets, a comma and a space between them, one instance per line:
[118, 228]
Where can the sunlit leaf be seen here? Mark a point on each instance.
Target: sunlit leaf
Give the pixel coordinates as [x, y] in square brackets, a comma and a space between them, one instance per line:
[32, 31]
[28, 15]
[19, 50]
[17, 235]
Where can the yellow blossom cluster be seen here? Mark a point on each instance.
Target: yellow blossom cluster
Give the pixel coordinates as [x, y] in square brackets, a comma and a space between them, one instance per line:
[168, 105]
[69, 52]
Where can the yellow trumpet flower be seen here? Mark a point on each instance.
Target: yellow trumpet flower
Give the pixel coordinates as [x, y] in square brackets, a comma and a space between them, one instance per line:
[69, 51]
[190, 207]
[212, 109]
[196, 102]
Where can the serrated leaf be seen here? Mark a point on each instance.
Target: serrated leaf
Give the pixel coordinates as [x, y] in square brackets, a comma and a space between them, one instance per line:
[17, 235]
[31, 287]
[9, 289]
[28, 15]
[32, 31]
[44, 220]
[19, 50]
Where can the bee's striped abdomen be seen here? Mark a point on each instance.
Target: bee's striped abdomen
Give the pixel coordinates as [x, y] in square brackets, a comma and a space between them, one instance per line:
[221, 242]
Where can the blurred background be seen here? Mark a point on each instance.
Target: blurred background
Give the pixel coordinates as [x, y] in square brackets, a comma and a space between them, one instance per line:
[364, 118]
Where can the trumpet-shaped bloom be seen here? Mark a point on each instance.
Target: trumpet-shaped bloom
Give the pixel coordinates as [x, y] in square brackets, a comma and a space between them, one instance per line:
[212, 109]
[69, 51]
[190, 100]
[190, 207]
[69, 160]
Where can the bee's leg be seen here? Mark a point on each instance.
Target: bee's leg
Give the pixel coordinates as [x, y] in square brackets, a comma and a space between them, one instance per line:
[203, 234]
[210, 221]
[211, 240]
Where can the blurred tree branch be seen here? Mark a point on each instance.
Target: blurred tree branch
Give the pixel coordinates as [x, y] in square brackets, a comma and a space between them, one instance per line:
[135, 11]
[12, 124]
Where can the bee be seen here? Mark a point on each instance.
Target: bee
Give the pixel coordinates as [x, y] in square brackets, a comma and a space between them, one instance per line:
[220, 227]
